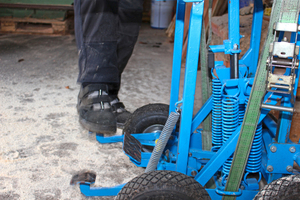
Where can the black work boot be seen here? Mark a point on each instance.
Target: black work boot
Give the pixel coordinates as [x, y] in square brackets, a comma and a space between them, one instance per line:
[120, 112]
[95, 111]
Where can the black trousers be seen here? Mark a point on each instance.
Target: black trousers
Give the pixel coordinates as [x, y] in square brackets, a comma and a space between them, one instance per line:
[106, 32]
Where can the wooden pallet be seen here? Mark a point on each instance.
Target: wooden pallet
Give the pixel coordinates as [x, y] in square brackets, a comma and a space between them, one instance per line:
[35, 26]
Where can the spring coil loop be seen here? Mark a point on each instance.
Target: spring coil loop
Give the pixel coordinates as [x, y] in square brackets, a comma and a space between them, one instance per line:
[216, 114]
[241, 113]
[230, 116]
[255, 156]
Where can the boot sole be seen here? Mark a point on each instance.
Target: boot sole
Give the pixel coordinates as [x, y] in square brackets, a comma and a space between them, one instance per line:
[98, 128]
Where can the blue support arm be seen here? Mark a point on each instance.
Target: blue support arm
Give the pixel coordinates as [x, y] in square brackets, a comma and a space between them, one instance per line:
[189, 86]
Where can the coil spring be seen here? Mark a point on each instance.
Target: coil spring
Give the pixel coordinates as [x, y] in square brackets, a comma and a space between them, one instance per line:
[162, 141]
[255, 156]
[230, 119]
[241, 113]
[216, 114]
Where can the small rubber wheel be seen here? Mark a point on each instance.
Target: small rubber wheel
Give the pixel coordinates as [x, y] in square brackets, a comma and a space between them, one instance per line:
[285, 188]
[150, 118]
[161, 185]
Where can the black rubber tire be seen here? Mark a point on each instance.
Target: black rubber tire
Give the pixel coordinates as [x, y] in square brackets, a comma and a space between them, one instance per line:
[285, 188]
[146, 116]
[161, 185]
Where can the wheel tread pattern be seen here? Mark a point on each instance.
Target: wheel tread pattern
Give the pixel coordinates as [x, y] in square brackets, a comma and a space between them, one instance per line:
[282, 188]
[160, 179]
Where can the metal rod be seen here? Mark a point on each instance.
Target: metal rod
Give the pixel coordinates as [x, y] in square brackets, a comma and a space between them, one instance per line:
[283, 66]
[280, 108]
[234, 66]
[280, 86]
[278, 91]
[282, 62]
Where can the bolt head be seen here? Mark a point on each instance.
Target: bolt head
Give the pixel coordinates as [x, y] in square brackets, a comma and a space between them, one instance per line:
[270, 168]
[273, 149]
[292, 149]
[194, 173]
[289, 168]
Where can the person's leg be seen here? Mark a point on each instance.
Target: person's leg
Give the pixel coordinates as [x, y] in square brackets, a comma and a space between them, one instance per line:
[130, 16]
[96, 33]
[97, 29]
[106, 32]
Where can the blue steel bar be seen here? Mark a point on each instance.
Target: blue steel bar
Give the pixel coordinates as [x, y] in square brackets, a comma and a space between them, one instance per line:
[112, 139]
[217, 48]
[179, 27]
[218, 159]
[271, 125]
[100, 191]
[234, 22]
[202, 114]
[189, 87]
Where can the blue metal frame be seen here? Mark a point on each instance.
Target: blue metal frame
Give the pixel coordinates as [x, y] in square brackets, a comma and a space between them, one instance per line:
[178, 43]
[185, 148]
[189, 87]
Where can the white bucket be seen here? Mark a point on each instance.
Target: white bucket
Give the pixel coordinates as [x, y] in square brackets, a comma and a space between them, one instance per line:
[161, 13]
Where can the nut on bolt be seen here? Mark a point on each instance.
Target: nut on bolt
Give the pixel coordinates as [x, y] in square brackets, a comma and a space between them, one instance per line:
[273, 149]
[270, 168]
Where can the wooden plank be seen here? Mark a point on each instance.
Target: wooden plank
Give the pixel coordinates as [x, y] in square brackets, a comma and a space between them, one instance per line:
[8, 26]
[171, 27]
[295, 127]
[188, 7]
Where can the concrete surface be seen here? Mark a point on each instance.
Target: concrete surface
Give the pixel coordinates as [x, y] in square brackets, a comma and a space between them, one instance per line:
[42, 144]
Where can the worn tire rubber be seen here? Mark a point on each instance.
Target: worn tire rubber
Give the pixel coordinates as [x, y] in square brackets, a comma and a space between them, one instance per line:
[161, 185]
[146, 116]
[285, 188]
